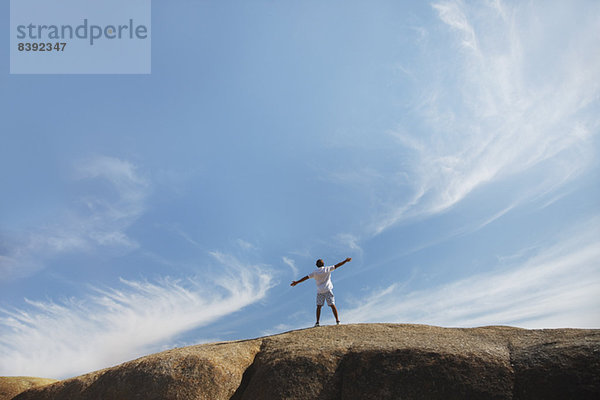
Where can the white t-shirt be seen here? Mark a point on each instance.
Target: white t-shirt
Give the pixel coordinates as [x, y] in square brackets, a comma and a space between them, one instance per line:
[322, 277]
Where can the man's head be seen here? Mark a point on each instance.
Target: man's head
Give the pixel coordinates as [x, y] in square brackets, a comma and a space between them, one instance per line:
[320, 263]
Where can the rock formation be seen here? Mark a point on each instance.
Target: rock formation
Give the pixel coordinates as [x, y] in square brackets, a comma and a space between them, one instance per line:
[368, 361]
[13, 385]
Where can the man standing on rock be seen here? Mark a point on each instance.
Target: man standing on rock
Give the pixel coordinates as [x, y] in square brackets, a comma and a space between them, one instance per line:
[322, 277]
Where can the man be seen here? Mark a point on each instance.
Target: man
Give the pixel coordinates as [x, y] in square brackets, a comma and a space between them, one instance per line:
[322, 277]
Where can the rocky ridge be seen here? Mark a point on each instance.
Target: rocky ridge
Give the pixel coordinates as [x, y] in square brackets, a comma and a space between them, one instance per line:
[10, 386]
[364, 361]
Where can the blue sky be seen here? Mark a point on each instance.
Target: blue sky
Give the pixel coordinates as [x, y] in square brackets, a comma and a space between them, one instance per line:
[449, 147]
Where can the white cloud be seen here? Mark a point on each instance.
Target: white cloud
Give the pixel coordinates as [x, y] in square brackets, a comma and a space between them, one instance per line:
[110, 326]
[99, 220]
[177, 230]
[350, 241]
[123, 175]
[292, 264]
[452, 14]
[496, 113]
[245, 245]
[557, 286]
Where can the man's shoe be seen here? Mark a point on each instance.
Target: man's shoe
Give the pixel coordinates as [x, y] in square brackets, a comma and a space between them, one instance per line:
[337, 322]
[317, 324]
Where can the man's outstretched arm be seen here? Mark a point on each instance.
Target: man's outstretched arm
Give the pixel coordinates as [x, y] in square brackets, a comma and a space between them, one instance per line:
[294, 283]
[343, 262]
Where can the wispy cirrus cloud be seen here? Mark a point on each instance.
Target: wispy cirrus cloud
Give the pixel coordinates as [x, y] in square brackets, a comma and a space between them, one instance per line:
[548, 286]
[74, 336]
[292, 264]
[351, 242]
[245, 245]
[115, 198]
[510, 101]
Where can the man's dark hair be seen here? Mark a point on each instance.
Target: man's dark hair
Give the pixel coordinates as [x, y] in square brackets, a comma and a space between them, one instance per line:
[320, 263]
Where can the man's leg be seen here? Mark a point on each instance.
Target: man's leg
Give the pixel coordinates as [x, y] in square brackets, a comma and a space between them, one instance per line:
[335, 313]
[318, 313]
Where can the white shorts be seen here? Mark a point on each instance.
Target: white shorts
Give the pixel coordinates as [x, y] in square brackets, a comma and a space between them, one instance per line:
[321, 297]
